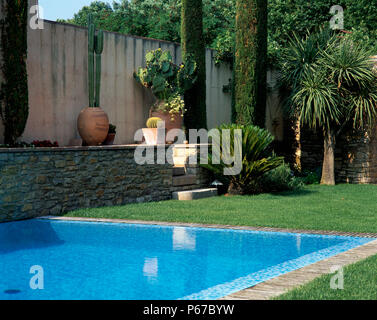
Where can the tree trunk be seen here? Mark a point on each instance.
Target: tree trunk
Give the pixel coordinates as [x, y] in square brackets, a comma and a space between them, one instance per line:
[298, 146]
[328, 169]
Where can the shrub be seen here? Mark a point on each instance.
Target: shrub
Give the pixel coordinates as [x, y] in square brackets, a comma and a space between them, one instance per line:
[312, 177]
[257, 157]
[112, 129]
[14, 106]
[281, 179]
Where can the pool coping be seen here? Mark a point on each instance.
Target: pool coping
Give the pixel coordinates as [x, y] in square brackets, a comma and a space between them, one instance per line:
[215, 226]
[283, 283]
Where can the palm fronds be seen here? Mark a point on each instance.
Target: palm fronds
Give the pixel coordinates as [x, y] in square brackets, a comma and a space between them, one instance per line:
[248, 144]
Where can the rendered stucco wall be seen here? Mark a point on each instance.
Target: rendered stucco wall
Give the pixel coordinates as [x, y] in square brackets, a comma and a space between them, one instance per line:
[57, 70]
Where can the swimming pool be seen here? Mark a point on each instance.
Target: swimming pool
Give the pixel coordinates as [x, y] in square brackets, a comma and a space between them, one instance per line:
[100, 261]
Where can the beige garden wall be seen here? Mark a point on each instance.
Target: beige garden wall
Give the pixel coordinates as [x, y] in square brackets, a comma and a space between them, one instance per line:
[58, 90]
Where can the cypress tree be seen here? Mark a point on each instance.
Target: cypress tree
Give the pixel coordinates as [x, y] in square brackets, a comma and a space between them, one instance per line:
[14, 106]
[251, 62]
[193, 44]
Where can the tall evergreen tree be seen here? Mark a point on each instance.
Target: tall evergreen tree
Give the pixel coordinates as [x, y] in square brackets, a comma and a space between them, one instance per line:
[193, 44]
[14, 103]
[251, 62]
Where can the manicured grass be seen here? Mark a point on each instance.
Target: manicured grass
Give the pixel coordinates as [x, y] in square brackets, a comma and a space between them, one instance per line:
[360, 283]
[351, 208]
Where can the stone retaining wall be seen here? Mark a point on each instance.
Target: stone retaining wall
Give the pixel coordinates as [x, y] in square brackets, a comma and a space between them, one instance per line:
[39, 182]
[53, 181]
[355, 156]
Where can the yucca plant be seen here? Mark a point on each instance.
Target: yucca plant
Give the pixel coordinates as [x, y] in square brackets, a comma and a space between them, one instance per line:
[337, 87]
[256, 159]
[302, 55]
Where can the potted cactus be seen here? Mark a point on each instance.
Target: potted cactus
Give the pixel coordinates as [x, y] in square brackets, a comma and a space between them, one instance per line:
[168, 83]
[93, 123]
[155, 132]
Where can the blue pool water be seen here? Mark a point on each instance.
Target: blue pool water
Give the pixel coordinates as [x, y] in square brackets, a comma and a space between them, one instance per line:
[82, 260]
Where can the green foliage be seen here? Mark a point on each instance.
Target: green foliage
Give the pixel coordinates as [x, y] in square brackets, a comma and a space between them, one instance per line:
[251, 62]
[112, 129]
[224, 46]
[281, 179]
[161, 19]
[332, 82]
[153, 122]
[95, 49]
[301, 16]
[14, 106]
[158, 19]
[193, 44]
[311, 177]
[174, 105]
[167, 80]
[257, 157]
[301, 55]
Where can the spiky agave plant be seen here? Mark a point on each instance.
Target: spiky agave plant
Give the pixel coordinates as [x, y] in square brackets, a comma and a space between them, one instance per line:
[257, 157]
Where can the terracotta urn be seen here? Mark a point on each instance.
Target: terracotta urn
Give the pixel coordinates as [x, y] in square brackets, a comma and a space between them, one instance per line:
[93, 126]
[172, 121]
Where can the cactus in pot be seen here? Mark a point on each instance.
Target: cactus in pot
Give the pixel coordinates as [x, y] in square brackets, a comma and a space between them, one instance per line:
[152, 123]
[155, 132]
[93, 123]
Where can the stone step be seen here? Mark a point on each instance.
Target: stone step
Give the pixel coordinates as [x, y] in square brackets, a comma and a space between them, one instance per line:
[179, 171]
[194, 194]
[186, 180]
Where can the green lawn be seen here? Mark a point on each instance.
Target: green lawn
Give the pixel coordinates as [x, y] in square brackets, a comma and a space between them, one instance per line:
[360, 283]
[351, 208]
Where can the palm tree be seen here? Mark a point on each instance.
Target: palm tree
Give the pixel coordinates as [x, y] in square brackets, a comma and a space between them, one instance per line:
[332, 84]
[257, 157]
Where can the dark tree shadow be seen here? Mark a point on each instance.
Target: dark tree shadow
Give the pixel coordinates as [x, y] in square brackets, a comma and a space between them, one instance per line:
[296, 193]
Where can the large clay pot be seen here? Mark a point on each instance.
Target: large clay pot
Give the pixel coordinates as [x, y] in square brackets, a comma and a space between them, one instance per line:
[93, 126]
[174, 121]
